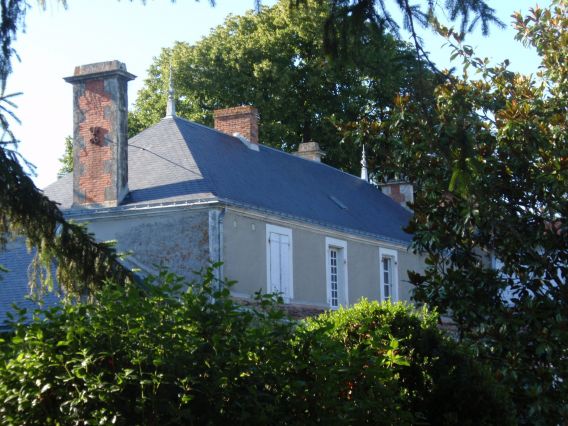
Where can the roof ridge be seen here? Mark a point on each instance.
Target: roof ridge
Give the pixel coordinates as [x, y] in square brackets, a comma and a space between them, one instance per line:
[195, 123]
[202, 168]
[273, 149]
[317, 162]
[174, 161]
[263, 145]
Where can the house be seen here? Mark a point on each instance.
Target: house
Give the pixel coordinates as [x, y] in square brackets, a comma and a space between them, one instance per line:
[181, 194]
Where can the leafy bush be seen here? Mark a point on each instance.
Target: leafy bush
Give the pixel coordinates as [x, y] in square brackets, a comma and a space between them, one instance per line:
[439, 382]
[188, 354]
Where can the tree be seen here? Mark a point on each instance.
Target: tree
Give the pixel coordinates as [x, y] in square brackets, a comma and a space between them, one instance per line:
[345, 23]
[275, 60]
[82, 264]
[23, 209]
[67, 159]
[490, 163]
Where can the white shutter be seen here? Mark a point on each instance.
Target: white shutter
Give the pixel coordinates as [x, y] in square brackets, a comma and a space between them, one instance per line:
[285, 265]
[279, 259]
[274, 242]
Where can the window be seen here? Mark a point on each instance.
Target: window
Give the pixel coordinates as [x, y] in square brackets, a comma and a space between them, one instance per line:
[388, 275]
[512, 292]
[279, 261]
[333, 277]
[336, 272]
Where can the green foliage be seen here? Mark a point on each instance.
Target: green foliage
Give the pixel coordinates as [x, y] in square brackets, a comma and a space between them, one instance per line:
[191, 355]
[275, 60]
[439, 382]
[67, 159]
[346, 23]
[13, 13]
[82, 264]
[136, 358]
[24, 210]
[490, 163]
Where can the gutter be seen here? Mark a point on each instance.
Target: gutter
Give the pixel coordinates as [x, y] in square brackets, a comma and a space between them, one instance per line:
[153, 208]
[138, 209]
[342, 229]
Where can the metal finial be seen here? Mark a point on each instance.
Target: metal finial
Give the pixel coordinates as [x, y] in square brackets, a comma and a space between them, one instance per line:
[364, 171]
[171, 105]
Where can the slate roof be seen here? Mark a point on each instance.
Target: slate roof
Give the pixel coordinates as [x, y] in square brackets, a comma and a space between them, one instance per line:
[14, 283]
[178, 160]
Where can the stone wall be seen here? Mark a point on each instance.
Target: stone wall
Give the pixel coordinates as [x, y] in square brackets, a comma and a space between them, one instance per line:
[178, 240]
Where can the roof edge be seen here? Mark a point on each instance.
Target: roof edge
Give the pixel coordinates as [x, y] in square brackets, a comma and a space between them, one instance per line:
[327, 225]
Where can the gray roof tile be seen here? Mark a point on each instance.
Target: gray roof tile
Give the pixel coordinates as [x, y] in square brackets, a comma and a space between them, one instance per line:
[14, 286]
[178, 160]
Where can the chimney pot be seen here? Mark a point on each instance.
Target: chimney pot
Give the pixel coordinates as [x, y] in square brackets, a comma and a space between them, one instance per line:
[310, 151]
[400, 191]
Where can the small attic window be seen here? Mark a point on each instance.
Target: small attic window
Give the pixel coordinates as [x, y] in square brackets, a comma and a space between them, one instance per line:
[338, 202]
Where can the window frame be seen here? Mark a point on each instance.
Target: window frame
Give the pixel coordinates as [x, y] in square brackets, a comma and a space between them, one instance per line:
[341, 245]
[282, 231]
[393, 256]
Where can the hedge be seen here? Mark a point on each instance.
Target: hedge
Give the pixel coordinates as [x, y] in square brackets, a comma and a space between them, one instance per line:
[186, 353]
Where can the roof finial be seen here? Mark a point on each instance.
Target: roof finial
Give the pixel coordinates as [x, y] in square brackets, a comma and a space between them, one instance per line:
[364, 171]
[171, 105]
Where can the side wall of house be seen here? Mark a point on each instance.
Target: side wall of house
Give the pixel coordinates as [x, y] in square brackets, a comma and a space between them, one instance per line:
[178, 239]
[245, 254]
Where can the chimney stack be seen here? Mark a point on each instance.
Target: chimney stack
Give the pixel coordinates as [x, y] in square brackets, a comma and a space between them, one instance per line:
[100, 134]
[310, 151]
[400, 191]
[242, 120]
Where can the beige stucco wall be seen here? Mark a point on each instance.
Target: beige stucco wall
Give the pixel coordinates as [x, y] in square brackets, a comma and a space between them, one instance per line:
[309, 267]
[407, 261]
[244, 253]
[244, 256]
[179, 239]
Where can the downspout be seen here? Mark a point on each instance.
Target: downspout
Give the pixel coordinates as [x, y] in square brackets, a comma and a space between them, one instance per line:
[216, 219]
[221, 259]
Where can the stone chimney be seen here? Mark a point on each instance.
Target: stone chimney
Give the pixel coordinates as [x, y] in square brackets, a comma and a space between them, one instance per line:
[310, 151]
[242, 120]
[100, 134]
[400, 191]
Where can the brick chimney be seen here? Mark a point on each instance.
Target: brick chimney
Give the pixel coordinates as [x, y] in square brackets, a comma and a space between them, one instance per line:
[242, 120]
[400, 191]
[310, 151]
[100, 134]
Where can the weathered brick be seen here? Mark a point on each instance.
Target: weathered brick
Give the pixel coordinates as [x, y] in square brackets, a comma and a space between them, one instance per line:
[94, 181]
[399, 191]
[241, 119]
[100, 135]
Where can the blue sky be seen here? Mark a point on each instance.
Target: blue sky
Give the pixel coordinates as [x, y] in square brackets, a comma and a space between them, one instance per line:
[58, 39]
